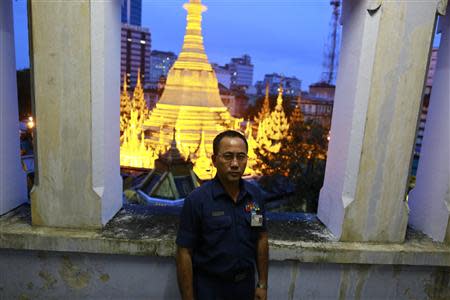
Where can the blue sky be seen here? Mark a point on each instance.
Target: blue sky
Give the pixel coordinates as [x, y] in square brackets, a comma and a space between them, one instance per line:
[283, 36]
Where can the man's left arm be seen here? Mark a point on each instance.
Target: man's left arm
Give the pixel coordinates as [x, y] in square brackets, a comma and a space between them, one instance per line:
[262, 265]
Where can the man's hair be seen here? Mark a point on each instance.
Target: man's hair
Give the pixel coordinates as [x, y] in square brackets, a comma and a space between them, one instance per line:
[230, 134]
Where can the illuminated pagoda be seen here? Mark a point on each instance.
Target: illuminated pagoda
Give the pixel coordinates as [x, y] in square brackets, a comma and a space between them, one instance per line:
[273, 128]
[191, 101]
[265, 109]
[297, 114]
[133, 150]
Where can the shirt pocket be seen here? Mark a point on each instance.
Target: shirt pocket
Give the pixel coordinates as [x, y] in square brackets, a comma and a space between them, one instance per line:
[216, 229]
[217, 223]
[249, 233]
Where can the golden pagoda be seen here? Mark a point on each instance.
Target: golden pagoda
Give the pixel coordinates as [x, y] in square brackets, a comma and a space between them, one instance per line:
[190, 102]
[125, 106]
[252, 147]
[273, 128]
[203, 165]
[265, 109]
[133, 150]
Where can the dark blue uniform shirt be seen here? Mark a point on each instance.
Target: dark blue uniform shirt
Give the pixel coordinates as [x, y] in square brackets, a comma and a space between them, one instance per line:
[218, 230]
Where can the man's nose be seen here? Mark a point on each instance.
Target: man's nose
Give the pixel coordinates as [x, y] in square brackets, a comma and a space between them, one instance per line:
[234, 162]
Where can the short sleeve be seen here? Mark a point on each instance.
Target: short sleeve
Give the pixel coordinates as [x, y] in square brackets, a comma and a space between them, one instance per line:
[187, 235]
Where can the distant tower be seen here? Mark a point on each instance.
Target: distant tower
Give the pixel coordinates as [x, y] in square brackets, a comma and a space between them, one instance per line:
[132, 12]
[330, 59]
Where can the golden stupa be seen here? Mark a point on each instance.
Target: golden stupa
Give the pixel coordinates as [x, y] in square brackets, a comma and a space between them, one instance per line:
[191, 101]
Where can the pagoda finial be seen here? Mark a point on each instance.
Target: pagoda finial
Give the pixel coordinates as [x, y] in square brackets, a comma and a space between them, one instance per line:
[125, 86]
[280, 95]
[138, 83]
[174, 139]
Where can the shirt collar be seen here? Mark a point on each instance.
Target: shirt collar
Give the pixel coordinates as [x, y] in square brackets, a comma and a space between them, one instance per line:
[219, 191]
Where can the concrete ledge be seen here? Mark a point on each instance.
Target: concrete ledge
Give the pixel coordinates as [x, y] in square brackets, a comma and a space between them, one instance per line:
[151, 232]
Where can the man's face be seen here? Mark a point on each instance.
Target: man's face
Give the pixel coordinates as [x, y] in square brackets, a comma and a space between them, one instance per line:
[231, 159]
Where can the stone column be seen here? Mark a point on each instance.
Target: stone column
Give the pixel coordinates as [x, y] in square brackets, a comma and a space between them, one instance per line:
[13, 186]
[76, 70]
[430, 199]
[381, 76]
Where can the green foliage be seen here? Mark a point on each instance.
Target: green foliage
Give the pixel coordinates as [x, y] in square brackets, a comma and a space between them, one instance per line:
[302, 159]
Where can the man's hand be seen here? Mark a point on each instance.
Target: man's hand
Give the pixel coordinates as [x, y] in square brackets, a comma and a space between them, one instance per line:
[262, 262]
[260, 294]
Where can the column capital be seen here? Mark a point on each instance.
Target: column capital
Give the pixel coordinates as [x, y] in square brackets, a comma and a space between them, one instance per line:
[442, 7]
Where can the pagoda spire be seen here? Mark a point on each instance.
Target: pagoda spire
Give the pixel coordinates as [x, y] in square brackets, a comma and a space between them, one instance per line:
[203, 165]
[280, 96]
[265, 109]
[297, 114]
[193, 54]
[125, 85]
[138, 82]
[125, 106]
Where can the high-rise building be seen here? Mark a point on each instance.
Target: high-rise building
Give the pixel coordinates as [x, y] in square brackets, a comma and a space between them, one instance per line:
[223, 75]
[132, 12]
[160, 64]
[241, 70]
[135, 53]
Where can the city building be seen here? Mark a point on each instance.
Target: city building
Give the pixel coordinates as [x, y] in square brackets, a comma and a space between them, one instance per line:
[223, 75]
[424, 111]
[241, 70]
[317, 103]
[292, 86]
[160, 64]
[135, 53]
[318, 109]
[131, 12]
[322, 90]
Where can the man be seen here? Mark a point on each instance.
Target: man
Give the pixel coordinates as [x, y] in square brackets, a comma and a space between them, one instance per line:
[222, 234]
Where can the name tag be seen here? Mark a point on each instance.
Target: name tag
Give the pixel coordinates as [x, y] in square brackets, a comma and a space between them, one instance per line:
[218, 213]
[257, 220]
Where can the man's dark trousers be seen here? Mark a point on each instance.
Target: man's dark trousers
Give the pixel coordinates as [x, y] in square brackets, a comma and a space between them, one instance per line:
[210, 287]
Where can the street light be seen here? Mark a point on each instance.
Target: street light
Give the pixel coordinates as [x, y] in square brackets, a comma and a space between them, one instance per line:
[30, 123]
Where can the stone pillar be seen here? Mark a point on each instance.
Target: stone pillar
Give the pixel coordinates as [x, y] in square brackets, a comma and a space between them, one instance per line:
[430, 199]
[76, 70]
[13, 185]
[381, 76]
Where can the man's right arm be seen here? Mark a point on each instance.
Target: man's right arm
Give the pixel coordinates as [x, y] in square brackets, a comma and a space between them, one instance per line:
[184, 273]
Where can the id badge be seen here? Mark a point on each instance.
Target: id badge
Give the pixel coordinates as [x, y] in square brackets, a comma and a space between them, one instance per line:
[257, 220]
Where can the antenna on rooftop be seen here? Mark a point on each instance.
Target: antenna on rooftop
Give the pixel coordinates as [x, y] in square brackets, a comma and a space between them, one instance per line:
[331, 50]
